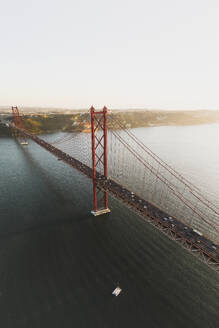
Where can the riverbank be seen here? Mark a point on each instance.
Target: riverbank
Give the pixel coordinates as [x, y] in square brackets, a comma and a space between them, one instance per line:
[39, 123]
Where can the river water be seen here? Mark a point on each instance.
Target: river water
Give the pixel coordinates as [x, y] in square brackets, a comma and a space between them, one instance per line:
[59, 264]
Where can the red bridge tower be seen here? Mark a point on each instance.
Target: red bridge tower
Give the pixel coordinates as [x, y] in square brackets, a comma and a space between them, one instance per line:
[99, 159]
[18, 122]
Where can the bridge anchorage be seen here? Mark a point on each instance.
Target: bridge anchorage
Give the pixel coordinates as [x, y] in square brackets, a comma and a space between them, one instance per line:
[137, 177]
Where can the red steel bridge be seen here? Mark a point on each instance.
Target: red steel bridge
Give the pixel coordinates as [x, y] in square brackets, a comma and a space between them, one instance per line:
[117, 162]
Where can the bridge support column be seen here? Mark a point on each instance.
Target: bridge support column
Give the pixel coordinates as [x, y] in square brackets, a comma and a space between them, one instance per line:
[99, 160]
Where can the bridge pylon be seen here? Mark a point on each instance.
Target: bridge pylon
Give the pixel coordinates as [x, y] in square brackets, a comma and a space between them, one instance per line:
[18, 122]
[99, 159]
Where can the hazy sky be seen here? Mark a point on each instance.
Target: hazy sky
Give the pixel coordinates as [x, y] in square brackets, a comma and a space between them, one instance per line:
[118, 53]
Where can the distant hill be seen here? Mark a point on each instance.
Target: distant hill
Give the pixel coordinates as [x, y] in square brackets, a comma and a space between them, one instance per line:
[80, 121]
[158, 118]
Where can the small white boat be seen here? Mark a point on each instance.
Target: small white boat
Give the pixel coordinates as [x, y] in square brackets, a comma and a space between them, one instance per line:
[198, 232]
[117, 291]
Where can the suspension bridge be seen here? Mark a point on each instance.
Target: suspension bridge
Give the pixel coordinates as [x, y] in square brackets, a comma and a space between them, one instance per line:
[117, 162]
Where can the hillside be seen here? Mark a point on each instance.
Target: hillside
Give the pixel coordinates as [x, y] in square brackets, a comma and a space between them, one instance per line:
[76, 122]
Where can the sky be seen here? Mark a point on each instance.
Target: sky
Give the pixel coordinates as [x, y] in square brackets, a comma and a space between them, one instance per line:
[161, 54]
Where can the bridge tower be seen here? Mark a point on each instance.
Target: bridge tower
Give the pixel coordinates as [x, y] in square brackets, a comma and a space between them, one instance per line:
[18, 122]
[99, 159]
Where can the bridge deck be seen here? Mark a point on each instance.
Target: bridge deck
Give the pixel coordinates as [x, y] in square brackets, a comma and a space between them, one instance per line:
[202, 247]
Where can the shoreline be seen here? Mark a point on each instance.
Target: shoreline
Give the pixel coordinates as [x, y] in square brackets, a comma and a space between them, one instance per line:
[80, 122]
